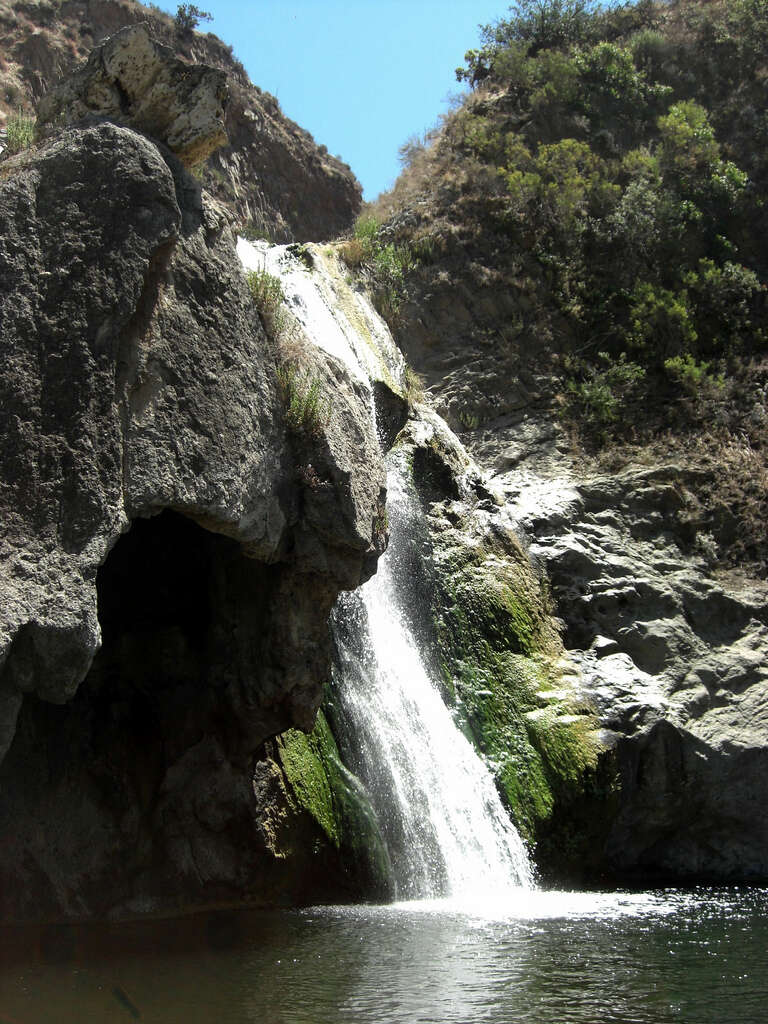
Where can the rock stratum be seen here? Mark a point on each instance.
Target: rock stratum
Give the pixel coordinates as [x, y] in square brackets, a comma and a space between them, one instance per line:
[168, 565]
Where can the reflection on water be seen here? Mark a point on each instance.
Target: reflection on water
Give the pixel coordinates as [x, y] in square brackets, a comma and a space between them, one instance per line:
[698, 957]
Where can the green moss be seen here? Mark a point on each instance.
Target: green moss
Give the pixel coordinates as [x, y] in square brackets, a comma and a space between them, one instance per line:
[321, 786]
[500, 654]
[496, 690]
[305, 760]
[567, 745]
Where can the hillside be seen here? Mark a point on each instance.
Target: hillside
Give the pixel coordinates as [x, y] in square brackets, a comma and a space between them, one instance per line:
[273, 176]
[588, 230]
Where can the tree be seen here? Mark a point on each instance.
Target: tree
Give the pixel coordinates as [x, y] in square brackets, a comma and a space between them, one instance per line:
[188, 17]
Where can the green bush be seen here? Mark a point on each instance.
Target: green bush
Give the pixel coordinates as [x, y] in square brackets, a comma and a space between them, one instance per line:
[307, 406]
[188, 17]
[661, 322]
[599, 396]
[386, 264]
[616, 160]
[694, 377]
[267, 294]
[20, 132]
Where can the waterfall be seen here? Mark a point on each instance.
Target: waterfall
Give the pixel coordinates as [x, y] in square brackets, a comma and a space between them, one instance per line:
[439, 811]
[440, 814]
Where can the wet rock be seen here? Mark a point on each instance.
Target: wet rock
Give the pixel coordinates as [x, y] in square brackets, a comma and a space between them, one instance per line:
[480, 610]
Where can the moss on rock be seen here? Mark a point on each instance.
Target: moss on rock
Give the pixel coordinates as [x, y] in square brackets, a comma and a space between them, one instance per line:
[319, 785]
[503, 663]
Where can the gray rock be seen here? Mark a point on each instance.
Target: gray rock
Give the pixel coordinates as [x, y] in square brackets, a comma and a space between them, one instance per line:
[167, 571]
[672, 654]
[272, 175]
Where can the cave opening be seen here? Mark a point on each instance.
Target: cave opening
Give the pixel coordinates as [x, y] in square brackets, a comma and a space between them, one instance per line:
[182, 614]
[185, 645]
[182, 618]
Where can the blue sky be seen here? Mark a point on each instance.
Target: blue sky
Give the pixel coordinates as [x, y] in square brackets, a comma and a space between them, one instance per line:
[361, 75]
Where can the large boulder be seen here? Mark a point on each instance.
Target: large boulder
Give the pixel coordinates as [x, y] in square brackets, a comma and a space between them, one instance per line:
[168, 564]
[134, 80]
[272, 175]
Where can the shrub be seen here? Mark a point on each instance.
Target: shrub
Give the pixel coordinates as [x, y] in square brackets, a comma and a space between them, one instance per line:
[536, 24]
[267, 294]
[188, 17]
[361, 247]
[254, 232]
[661, 322]
[599, 396]
[385, 262]
[694, 377]
[414, 386]
[307, 407]
[20, 132]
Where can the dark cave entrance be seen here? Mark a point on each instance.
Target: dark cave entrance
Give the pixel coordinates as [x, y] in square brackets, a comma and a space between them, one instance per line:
[155, 581]
[185, 651]
[182, 614]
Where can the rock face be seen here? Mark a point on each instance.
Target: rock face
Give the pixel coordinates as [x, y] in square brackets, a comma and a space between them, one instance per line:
[481, 612]
[674, 656]
[133, 80]
[272, 175]
[670, 648]
[167, 572]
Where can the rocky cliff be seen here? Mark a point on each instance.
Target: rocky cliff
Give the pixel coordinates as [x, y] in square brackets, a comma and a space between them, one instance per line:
[271, 174]
[168, 562]
[655, 561]
[525, 245]
[176, 525]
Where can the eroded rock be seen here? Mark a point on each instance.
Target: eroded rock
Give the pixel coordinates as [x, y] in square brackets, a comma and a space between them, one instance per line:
[132, 79]
[167, 577]
[669, 649]
[272, 175]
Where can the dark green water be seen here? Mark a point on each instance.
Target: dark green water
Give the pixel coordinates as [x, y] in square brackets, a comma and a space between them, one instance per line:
[553, 958]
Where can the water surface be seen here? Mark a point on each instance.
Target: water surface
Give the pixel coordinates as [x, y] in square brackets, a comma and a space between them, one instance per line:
[697, 957]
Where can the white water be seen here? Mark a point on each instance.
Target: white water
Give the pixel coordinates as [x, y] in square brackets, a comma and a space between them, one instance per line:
[331, 315]
[447, 832]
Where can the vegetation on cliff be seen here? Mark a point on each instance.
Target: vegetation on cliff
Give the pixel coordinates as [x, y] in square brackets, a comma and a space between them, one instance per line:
[607, 175]
[503, 663]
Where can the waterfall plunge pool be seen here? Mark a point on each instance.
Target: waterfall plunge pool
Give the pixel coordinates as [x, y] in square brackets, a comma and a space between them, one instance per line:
[698, 957]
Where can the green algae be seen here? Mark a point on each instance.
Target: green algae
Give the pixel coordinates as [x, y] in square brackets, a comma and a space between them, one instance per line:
[309, 769]
[320, 785]
[502, 664]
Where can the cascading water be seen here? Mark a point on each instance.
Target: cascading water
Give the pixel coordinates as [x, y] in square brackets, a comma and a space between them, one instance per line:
[447, 832]
[442, 820]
